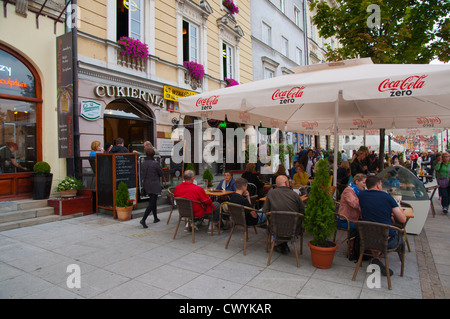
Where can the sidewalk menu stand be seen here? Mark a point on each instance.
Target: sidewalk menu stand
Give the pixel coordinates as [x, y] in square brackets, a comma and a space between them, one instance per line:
[111, 169]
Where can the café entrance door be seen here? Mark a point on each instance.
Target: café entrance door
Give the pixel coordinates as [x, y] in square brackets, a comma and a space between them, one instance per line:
[131, 121]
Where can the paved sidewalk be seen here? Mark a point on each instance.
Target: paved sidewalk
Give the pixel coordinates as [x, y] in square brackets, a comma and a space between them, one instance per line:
[123, 260]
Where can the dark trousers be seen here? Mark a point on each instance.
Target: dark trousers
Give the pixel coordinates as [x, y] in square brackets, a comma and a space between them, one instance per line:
[151, 207]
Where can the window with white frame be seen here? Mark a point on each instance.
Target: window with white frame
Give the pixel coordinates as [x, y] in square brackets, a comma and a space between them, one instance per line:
[228, 61]
[130, 19]
[190, 42]
[297, 16]
[298, 56]
[268, 74]
[266, 34]
[285, 46]
[283, 6]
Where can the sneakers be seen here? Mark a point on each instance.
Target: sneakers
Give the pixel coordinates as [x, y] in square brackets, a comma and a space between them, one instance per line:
[445, 210]
[216, 227]
[382, 267]
[188, 228]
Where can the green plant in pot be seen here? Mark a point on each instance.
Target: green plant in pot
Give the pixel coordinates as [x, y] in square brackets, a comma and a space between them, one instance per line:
[69, 186]
[319, 218]
[124, 205]
[208, 177]
[42, 180]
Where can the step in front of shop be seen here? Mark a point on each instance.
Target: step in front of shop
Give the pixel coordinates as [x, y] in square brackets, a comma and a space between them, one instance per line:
[23, 213]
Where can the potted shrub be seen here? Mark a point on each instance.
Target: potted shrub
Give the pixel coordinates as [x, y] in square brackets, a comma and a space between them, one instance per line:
[319, 218]
[231, 82]
[69, 187]
[42, 180]
[124, 205]
[208, 177]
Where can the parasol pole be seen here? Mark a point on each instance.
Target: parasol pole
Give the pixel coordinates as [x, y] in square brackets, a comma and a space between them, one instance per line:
[336, 142]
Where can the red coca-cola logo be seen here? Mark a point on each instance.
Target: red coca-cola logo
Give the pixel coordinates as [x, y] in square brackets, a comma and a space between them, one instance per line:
[212, 100]
[410, 83]
[362, 122]
[244, 116]
[293, 93]
[428, 120]
[309, 125]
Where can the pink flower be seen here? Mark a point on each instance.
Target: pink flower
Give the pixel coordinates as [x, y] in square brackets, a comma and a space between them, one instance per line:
[133, 47]
[231, 82]
[229, 4]
[196, 70]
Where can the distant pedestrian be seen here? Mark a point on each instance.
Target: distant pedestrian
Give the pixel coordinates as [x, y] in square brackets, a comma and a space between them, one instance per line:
[151, 172]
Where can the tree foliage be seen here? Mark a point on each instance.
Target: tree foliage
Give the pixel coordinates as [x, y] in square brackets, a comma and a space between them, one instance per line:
[410, 31]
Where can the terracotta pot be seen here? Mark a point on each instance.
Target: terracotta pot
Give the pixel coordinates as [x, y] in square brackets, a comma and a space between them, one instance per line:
[68, 193]
[322, 257]
[124, 213]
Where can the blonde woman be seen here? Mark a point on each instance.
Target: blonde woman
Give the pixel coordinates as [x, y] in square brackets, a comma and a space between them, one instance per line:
[95, 148]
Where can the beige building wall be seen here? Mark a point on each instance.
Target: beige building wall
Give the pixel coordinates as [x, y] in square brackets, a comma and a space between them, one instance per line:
[38, 46]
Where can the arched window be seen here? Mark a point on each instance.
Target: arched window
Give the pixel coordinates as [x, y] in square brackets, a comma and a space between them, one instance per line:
[20, 113]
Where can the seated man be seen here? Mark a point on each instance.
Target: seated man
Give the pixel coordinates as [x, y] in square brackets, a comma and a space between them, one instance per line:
[380, 207]
[283, 198]
[189, 190]
[242, 197]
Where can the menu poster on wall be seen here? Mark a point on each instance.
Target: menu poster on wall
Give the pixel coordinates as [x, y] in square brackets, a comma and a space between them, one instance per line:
[64, 95]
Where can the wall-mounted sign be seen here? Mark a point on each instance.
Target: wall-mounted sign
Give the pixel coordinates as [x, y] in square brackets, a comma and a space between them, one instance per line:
[90, 110]
[173, 94]
[64, 94]
[127, 91]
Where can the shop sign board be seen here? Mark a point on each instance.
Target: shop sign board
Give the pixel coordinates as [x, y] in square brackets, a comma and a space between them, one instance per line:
[172, 93]
[64, 91]
[90, 110]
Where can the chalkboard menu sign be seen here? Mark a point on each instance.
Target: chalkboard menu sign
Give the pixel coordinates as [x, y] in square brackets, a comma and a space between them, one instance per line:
[111, 169]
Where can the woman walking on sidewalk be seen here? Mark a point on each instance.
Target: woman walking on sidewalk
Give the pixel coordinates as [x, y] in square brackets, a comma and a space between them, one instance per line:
[442, 169]
[151, 172]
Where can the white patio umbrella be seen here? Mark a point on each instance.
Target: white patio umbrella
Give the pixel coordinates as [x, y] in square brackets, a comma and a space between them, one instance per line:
[353, 95]
[373, 143]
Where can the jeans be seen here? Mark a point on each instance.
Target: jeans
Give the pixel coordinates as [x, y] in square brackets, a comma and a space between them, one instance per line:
[445, 196]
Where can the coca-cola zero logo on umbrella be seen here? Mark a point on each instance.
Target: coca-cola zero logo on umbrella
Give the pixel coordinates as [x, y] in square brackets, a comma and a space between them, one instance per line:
[288, 96]
[402, 87]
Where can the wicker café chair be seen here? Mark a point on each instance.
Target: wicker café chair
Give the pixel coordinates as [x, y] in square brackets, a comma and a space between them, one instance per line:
[237, 215]
[171, 200]
[284, 227]
[374, 237]
[186, 210]
[350, 233]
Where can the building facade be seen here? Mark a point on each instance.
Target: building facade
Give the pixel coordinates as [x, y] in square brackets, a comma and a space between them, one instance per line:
[118, 93]
[28, 93]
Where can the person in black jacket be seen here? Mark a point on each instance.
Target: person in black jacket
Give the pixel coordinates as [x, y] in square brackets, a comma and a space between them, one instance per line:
[357, 166]
[251, 177]
[151, 172]
[119, 148]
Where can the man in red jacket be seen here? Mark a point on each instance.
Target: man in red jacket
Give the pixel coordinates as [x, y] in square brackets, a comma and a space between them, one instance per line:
[189, 190]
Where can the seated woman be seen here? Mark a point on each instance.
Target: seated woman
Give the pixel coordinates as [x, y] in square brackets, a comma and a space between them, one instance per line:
[350, 203]
[301, 177]
[251, 177]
